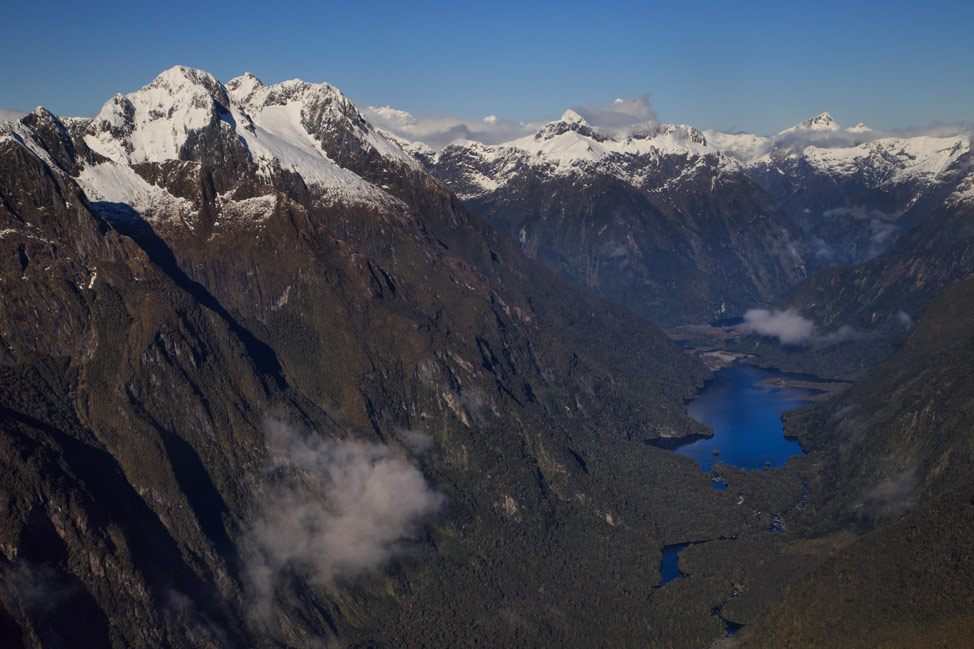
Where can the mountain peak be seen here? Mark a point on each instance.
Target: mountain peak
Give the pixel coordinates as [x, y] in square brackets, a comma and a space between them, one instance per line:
[572, 117]
[42, 113]
[823, 121]
[180, 77]
[243, 86]
[247, 79]
[152, 124]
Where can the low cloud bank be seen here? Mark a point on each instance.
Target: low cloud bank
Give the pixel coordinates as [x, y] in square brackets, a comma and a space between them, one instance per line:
[336, 508]
[850, 137]
[788, 326]
[437, 131]
[11, 115]
[841, 138]
[791, 328]
[619, 113]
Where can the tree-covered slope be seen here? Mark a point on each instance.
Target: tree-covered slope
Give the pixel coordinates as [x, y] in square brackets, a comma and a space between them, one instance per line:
[892, 458]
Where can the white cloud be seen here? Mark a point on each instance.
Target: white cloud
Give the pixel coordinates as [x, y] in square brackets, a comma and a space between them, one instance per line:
[619, 113]
[935, 130]
[417, 442]
[437, 131]
[789, 326]
[10, 115]
[335, 508]
[893, 496]
[843, 334]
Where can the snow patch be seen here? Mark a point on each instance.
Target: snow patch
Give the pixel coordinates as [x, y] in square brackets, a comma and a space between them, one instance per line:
[117, 183]
[21, 134]
[324, 103]
[278, 137]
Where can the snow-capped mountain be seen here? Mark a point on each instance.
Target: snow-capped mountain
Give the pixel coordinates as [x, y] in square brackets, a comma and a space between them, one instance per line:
[569, 146]
[855, 188]
[650, 215]
[819, 123]
[185, 142]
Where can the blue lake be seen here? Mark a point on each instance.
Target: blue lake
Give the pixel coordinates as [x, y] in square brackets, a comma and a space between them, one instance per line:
[746, 417]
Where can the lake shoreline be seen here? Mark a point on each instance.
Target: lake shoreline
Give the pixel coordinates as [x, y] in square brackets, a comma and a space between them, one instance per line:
[743, 405]
[825, 388]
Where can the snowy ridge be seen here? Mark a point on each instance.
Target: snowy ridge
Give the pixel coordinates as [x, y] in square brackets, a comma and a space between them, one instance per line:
[896, 160]
[855, 188]
[280, 139]
[18, 132]
[310, 108]
[834, 150]
[415, 149]
[275, 123]
[569, 145]
[744, 147]
[567, 142]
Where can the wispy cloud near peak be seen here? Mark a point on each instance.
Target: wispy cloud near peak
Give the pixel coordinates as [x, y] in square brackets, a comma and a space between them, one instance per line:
[438, 131]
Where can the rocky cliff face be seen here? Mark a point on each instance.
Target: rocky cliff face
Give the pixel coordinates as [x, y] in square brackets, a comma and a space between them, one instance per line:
[131, 430]
[650, 216]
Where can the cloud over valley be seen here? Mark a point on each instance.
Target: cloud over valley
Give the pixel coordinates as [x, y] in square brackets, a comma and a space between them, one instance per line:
[335, 508]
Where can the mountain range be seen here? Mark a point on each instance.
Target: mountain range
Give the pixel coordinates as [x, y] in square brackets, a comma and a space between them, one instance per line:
[274, 377]
[637, 214]
[854, 189]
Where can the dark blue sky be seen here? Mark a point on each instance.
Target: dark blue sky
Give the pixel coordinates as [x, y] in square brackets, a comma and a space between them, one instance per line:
[754, 66]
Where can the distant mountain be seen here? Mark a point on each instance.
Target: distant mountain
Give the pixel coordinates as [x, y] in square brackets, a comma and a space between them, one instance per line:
[869, 307]
[650, 216]
[903, 280]
[854, 189]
